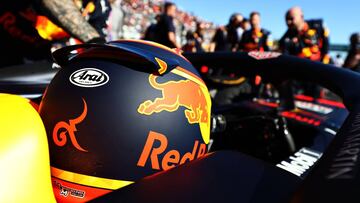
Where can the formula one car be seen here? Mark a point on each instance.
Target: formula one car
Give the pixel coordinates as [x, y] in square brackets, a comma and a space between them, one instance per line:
[286, 149]
[275, 125]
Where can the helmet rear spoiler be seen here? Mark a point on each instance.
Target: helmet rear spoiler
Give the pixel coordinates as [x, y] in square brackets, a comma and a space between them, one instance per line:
[143, 59]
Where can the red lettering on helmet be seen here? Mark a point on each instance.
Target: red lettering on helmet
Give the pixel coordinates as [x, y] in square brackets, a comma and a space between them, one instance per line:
[155, 151]
[190, 156]
[171, 158]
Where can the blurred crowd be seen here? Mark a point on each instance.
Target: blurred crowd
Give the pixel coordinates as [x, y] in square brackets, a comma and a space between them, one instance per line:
[29, 30]
[131, 18]
[306, 38]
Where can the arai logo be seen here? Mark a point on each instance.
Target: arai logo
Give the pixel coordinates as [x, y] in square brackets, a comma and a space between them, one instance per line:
[89, 77]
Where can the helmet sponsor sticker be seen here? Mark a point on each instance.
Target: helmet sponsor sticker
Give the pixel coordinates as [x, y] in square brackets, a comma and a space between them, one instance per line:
[260, 55]
[89, 77]
[68, 191]
[65, 191]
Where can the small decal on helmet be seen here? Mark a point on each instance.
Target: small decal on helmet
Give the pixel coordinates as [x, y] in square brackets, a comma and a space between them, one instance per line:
[66, 191]
[89, 77]
[60, 139]
[260, 55]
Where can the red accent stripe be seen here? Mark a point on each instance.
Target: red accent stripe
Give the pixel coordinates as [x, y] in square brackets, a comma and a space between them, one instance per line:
[302, 119]
[304, 97]
[331, 103]
[321, 101]
[269, 104]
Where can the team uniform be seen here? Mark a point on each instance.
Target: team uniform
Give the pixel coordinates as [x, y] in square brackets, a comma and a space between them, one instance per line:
[226, 38]
[255, 40]
[193, 42]
[312, 42]
[163, 27]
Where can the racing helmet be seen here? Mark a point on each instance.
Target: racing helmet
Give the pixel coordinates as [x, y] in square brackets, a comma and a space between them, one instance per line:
[117, 112]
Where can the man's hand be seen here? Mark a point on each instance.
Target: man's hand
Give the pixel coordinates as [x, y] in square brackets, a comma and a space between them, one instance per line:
[66, 15]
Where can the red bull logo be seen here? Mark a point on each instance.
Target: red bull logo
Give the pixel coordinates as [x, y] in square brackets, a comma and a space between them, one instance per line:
[170, 158]
[190, 93]
[70, 129]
